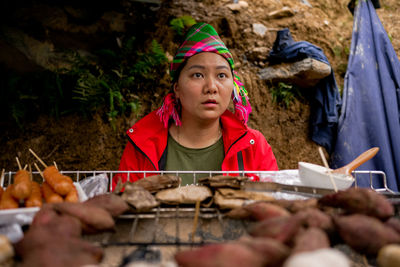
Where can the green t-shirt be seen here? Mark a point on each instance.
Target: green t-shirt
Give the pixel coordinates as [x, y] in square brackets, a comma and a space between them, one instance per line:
[192, 159]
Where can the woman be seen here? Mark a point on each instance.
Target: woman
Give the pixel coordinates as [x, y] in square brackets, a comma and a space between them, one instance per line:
[193, 129]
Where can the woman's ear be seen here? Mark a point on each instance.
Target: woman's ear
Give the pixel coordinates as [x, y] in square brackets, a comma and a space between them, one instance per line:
[176, 90]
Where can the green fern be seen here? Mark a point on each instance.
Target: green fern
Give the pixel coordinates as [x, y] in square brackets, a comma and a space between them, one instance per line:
[284, 93]
[181, 23]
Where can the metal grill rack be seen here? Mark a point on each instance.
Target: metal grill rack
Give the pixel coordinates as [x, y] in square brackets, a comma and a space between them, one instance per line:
[372, 176]
[172, 226]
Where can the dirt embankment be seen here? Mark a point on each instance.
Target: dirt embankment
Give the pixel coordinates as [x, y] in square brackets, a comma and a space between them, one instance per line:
[86, 144]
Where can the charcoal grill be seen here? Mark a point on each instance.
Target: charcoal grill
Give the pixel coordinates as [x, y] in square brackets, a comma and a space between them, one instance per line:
[155, 236]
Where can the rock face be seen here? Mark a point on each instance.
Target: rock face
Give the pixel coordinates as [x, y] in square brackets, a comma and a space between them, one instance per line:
[305, 73]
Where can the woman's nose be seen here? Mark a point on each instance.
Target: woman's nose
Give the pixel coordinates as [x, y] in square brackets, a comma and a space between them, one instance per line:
[210, 86]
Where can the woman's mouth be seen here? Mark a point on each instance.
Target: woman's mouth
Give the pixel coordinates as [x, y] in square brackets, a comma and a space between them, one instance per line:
[210, 101]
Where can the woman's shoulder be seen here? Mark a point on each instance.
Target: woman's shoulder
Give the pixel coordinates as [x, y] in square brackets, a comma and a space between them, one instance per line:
[148, 123]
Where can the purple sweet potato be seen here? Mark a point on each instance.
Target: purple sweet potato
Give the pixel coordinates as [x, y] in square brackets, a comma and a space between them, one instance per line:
[93, 219]
[360, 200]
[313, 217]
[262, 210]
[365, 234]
[220, 255]
[281, 228]
[310, 239]
[273, 251]
[112, 203]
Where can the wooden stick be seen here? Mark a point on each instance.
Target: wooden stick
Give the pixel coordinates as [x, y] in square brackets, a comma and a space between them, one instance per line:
[327, 166]
[196, 216]
[19, 163]
[55, 165]
[37, 157]
[2, 177]
[26, 165]
[30, 172]
[37, 168]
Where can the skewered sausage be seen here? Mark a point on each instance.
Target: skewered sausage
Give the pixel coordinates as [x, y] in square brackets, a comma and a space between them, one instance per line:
[61, 184]
[35, 199]
[22, 186]
[49, 195]
[72, 196]
[7, 201]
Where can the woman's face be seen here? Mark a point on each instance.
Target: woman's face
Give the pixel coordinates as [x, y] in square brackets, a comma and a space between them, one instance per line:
[204, 87]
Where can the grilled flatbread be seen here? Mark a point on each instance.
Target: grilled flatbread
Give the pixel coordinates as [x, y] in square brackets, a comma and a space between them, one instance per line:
[189, 194]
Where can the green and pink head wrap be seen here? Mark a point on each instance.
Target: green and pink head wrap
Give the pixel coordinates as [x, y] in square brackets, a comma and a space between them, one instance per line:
[202, 37]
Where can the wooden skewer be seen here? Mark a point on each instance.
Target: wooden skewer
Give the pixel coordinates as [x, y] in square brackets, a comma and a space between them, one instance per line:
[55, 165]
[30, 172]
[2, 177]
[26, 165]
[37, 168]
[37, 157]
[196, 216]
[327, 166]
[19, 164]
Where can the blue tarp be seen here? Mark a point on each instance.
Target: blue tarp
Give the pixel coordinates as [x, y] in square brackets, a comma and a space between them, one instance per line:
[325, 103]
[371, 100]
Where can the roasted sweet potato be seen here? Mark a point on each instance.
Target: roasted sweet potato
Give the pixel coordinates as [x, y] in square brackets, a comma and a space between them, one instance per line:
[93, 219]
[310, 239]
[281, 228]
[273, 251]
[220, 255]
[365, 234]
[312, 217]
[262, 210]
[360, 200]
[112, 203]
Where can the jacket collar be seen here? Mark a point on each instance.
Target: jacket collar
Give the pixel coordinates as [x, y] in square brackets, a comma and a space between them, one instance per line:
[150, 136]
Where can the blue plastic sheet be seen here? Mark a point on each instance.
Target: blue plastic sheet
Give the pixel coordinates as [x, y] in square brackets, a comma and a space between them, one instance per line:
[371, 100]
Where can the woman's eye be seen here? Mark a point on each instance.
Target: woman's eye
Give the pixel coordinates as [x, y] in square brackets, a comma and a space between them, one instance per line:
[222, 75]
[197, 75]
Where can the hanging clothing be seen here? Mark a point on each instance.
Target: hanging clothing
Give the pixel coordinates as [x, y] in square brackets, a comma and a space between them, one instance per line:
[371, 100]
[326, 101]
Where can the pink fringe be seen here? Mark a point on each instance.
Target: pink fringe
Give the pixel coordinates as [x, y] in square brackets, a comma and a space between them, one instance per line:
[169, 110]
[242, 112]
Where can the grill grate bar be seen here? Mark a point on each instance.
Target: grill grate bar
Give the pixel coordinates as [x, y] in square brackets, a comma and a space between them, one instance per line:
[133, 229]
[157, 219]
[177, 240]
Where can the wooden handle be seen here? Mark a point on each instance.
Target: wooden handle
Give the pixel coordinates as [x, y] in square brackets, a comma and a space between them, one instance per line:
[365, 156]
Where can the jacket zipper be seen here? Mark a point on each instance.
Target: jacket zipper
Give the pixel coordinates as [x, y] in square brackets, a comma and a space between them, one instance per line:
[141, 151]
[236, 141]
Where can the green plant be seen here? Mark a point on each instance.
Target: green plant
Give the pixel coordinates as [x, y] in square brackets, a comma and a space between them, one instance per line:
[108, 81]
[113, 81]
[284, 93]
[181, 23]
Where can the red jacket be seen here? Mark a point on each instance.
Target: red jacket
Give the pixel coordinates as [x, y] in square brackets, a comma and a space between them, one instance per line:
[245, 148]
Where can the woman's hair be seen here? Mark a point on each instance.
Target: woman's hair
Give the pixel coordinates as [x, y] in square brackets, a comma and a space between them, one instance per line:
[202, 37]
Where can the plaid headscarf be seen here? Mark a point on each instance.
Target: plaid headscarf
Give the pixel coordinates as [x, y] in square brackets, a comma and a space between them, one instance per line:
[202, 37]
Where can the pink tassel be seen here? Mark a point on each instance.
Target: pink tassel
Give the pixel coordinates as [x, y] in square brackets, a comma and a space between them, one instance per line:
[168, 110]
[242, 112]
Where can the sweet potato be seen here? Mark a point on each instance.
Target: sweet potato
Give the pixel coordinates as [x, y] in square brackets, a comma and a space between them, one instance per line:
[365, 234]
[93, 219]
[281, 228]
[360, 200]
[112, 203]
[262, 210]
[273, 251]
[310, 239]
[220, 255]
[312, 217]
